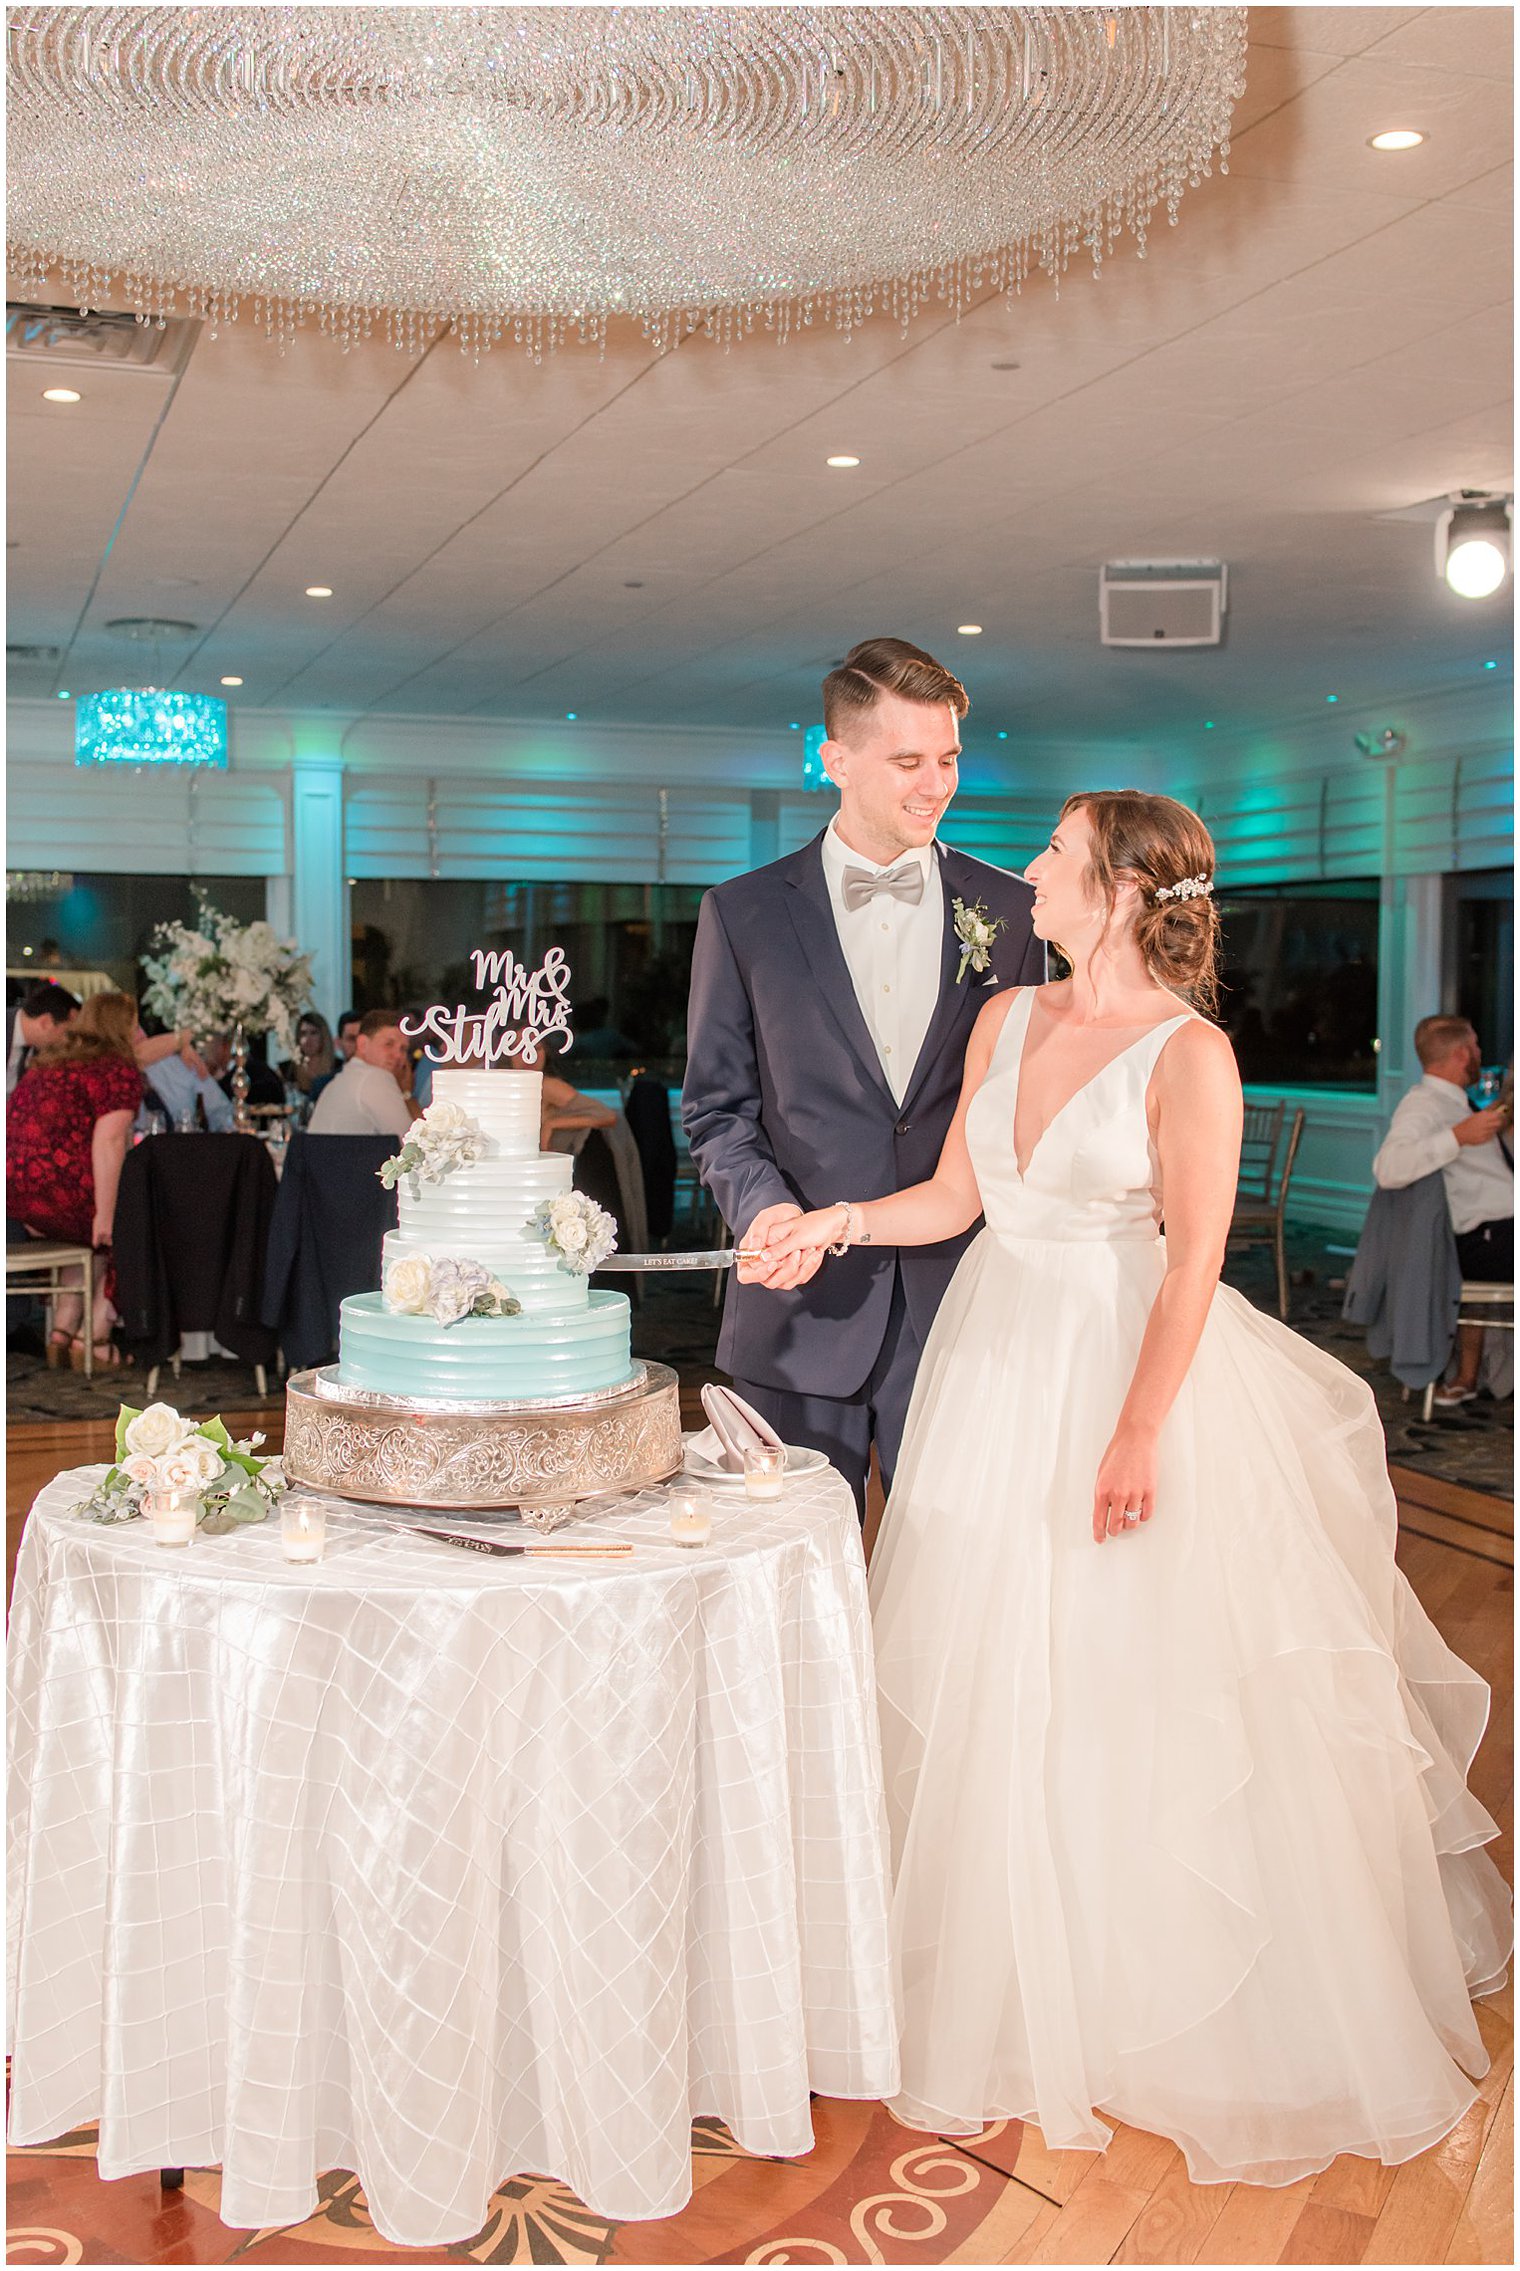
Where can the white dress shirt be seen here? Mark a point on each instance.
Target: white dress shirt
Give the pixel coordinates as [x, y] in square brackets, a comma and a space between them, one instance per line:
[1480, 1181]
[894, 954]
[360, 1100]
[177, 1089]
[18, 1051]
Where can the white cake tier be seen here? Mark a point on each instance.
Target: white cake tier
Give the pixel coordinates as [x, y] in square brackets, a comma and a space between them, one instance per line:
[508, 1105]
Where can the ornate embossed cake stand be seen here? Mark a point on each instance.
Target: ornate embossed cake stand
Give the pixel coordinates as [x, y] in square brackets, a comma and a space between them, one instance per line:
[539, 1457]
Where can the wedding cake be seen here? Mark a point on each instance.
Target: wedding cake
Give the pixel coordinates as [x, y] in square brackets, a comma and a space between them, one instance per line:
[484, 1371]
[473, 1238]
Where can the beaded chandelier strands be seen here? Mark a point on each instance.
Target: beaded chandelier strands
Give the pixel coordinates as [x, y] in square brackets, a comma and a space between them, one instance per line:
[533, 173]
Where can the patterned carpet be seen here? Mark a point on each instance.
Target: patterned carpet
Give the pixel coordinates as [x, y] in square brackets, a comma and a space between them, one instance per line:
[677, 1324]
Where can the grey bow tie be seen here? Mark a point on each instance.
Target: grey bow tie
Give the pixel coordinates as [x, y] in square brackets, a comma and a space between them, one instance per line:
[863, 884]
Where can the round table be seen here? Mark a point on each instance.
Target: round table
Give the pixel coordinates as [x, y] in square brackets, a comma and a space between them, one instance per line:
[440, 1867]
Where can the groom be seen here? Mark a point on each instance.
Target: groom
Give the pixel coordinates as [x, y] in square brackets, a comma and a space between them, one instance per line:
[827, 1035]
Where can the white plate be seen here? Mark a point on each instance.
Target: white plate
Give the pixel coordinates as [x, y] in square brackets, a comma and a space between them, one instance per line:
[801, 1459]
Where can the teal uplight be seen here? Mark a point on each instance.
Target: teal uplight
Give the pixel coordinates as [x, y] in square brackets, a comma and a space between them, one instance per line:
[1490, 666]
[63, 692]
[794, 727]
[813, 774]
[1208, 725]
[1332, 697]
[570, 716]
[141, 725]
[1002, 737]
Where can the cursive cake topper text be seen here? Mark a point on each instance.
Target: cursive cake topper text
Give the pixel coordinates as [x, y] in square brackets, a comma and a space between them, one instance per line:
[529, 1007]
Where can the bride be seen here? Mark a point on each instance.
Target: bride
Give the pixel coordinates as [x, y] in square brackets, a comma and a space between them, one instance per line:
[1175, 1760]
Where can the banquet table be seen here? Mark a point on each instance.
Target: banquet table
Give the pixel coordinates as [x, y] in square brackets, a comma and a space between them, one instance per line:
[441, 1867]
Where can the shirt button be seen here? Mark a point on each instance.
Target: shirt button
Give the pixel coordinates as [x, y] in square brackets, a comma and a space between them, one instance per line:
[886, 926]
[886, 989]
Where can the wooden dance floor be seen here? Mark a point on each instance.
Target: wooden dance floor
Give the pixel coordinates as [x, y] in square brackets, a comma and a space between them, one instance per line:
[870, 2191]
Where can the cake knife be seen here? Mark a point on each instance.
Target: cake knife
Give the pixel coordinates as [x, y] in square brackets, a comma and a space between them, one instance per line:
[717, 1258]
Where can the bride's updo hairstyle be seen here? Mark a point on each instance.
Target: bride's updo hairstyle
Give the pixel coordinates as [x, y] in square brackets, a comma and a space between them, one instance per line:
[1159, 844]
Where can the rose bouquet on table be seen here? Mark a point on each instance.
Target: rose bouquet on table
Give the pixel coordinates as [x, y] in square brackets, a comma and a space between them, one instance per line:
[160, 1450]
[222, 973]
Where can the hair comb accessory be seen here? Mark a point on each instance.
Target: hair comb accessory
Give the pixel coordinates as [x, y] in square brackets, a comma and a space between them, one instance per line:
[1191, 887]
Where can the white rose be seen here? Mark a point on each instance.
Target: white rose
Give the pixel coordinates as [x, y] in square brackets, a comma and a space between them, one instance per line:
[192, 1465]
[157, 1430]
[141, 1469]
[571, 1235]
[407, 1283]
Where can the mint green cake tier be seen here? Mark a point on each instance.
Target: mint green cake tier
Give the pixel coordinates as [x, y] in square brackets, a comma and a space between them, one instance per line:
[567, 1355]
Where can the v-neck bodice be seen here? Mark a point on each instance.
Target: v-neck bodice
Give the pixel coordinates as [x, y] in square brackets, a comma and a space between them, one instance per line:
[1093, 1173]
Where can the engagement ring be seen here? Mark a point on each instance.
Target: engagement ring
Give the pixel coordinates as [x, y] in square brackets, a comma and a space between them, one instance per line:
[1133, 1513]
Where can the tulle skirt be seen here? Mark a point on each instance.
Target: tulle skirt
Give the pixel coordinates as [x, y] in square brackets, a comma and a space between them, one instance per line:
[1180, 1822]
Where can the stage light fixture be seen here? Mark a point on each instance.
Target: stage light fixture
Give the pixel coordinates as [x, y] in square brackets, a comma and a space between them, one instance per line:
[1473, 546]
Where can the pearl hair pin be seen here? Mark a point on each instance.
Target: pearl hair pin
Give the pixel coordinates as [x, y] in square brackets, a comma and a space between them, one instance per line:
[1191, 887]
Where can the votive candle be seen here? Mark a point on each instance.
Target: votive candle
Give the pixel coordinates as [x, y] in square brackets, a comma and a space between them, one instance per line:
[764, 1467]
[690, 1520]
[173, 1515]
[303, 1528]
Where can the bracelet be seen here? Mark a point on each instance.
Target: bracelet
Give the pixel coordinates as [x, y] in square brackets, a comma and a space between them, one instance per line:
[855, 1231]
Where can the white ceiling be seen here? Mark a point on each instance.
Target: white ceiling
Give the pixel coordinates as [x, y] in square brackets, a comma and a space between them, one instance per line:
[1323, 340]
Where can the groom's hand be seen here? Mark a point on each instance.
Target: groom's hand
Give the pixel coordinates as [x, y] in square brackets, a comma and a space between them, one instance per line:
[785, 1272]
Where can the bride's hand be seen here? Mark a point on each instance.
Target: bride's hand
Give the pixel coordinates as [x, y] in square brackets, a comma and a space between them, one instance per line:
[1126, 1484]
[806, 1234]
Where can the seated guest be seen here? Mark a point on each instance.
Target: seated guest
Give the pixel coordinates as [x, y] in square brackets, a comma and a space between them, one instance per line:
[366, 1097]
[348, 1034]
[565, 1109]
[313, 1062]
[65, 1141]
[1434, 1128]
[176, 1082]
[264, 1083]
[36, 1021]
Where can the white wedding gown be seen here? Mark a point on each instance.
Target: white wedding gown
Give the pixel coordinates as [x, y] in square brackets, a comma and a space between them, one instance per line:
[1180, 1822]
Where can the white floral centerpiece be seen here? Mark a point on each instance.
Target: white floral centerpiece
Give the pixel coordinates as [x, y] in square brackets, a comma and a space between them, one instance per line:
[222, 973]
[438, 1286]
[160, 1450]
[575, 1228]
[444, 1138]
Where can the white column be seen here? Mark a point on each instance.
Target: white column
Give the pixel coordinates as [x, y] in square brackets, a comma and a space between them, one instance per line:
[319, 888]
[1411, 982]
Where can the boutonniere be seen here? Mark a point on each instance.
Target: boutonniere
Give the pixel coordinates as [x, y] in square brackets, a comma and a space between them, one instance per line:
[976, 930]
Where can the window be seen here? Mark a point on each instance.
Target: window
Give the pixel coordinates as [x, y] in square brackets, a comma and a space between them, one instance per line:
[98, 926]
[1299, 997]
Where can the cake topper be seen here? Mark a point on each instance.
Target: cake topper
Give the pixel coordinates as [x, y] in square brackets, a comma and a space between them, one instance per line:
[530, 1007]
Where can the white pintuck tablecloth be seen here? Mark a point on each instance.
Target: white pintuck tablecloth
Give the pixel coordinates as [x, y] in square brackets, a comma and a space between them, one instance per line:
[439, 1867]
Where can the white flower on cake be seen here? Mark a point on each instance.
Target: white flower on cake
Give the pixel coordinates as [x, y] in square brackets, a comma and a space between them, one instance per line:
[446, 1289]
[156, 1430]
[159, 1450]
[444, 1138]
[407, 1283]
[577, 1229]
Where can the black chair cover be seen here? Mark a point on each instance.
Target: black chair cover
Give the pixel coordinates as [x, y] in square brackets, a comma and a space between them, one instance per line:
[332, 1214]
[189, 1241]
[647, 1112]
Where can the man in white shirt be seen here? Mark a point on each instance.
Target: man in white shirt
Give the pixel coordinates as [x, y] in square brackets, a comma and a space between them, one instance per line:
[365, 1097]
[1435, 1128]
[38, 1019]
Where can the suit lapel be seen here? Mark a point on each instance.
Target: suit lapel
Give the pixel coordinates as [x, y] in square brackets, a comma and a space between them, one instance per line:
[812, 914]
[956, 1008]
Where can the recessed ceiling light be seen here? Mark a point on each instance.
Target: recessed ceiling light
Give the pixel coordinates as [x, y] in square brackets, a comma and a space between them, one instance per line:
[634, 583]
[842, 461]
[1002, 737]
[1332, 697]
[570, 716]
[1208, 725]
[1396, 138]
[1490, 666]
[63, 693]
[59, 394]
[232, 682]
[1005, 363]
[794, 727]
[969, 630]
[319, 591]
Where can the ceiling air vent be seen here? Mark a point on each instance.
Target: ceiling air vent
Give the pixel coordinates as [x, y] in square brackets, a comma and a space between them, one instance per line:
[106, 336]
[46, 656]
[1162, 603]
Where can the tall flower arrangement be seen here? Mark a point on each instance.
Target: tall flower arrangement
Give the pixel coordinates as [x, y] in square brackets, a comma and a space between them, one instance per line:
[223, 973]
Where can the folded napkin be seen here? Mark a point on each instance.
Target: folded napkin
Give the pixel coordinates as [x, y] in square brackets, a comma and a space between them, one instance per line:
[736, 1426]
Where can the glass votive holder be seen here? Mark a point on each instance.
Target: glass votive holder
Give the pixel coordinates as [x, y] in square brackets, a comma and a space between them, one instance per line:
[764, 1468]
[690, 1519]
[172, 1515]
[303, 1528]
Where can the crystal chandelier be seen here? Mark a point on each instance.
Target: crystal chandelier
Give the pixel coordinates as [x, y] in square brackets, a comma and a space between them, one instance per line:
[131, 725]
[539, 171]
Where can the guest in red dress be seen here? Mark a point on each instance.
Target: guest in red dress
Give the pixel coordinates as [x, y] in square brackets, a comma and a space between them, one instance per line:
[67, 1131]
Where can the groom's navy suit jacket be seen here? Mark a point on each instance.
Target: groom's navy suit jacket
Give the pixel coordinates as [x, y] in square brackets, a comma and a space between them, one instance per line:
[785, 1099]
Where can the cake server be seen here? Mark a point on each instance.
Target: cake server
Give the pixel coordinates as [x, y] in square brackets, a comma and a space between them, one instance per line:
[717, 1258]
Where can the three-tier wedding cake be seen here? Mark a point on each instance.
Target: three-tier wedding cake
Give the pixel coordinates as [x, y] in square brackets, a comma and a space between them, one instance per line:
[485, 1370]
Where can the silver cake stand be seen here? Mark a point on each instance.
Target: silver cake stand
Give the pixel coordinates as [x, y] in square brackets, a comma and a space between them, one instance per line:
[540, 1458]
